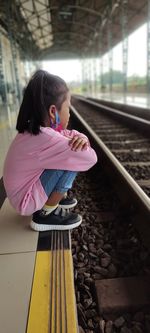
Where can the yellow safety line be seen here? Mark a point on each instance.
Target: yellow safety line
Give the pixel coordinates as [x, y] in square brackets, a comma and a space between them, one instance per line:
[70, 295]
[38, 321]
[53, 312]
[53, 305]
[58, 286]
[51, 281]
[63, 298]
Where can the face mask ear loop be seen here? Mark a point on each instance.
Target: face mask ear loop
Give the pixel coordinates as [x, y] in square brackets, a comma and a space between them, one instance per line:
[57, 118]
[57, 121]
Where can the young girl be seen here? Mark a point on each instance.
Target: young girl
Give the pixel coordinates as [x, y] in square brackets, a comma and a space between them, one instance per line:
[43, 159]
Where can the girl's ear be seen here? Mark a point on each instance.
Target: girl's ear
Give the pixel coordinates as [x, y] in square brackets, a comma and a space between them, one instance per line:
[52, 111]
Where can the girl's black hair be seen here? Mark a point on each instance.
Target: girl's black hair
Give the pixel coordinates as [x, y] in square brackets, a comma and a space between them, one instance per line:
[42, 91]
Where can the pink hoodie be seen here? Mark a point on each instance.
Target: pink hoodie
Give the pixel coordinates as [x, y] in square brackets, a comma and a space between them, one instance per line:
[29, 155]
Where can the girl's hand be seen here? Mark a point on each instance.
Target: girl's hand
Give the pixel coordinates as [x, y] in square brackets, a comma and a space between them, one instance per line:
[78, 143]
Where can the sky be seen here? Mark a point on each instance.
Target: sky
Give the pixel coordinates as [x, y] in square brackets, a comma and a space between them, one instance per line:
[70, 70]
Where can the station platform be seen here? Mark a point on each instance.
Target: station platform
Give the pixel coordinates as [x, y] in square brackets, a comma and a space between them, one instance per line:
[18, 245]
[140, 100]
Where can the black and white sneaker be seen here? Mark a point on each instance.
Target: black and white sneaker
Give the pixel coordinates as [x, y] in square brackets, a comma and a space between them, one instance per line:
[59, 219]
[68, 202]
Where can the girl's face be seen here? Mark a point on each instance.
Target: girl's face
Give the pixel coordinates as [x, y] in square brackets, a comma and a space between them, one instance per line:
[64, 113]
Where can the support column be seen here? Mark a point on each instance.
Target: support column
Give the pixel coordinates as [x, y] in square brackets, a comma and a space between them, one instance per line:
[2, 75]
[89, 76]
[94, 75]
[13, 47]
[110, 54]
[101, 64]
[14, 57]
[124, 8]
[86, 76]
[4, 92]
[83, 75]
[148, 47]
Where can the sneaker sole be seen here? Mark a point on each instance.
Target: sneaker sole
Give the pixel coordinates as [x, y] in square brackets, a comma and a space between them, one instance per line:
[69, 206]
[45, 227]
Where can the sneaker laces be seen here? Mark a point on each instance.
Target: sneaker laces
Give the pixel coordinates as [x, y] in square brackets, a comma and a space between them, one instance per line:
[43, 212]
[61, 211]
[70, 194]
[58, 211]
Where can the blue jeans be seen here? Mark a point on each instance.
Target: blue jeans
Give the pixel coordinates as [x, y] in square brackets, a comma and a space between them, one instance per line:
[57, 180]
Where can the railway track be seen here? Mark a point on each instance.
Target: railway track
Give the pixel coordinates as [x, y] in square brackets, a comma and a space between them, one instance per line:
[110, 259]
[128, 145]
[111, 248]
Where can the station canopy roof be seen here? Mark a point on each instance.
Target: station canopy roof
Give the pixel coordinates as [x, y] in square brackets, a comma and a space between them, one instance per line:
[60, 29]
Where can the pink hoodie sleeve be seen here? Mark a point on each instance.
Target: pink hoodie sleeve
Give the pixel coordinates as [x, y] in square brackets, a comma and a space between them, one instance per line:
[57, 154]
[71, 133]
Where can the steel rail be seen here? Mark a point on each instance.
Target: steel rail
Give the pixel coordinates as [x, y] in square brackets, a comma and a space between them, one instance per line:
[138, 111]
[135, 121]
